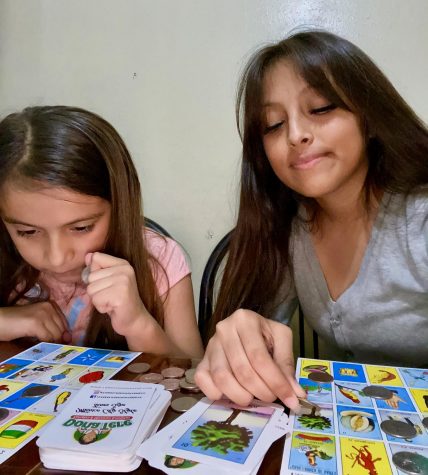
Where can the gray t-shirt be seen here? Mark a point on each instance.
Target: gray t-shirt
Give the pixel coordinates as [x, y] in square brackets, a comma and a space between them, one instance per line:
[383, 316]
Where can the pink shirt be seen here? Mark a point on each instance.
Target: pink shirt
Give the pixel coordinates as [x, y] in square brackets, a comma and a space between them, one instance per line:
[76, 304]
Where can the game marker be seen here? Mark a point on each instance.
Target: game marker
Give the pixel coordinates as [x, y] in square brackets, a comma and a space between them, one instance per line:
[308, 408]
[171, 384]
[399, 429]
[151, 378]
[378, 392]
[172, 372]
[411, 463]
[425, 422]
[183, 404]
[190, 375]
[138, 368]
[189, 387]
[320, 377]
[85, 274]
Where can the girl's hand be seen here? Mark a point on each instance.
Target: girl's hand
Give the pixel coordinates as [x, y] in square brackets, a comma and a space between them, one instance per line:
[250, 356]
[42, 320]
[113, 290]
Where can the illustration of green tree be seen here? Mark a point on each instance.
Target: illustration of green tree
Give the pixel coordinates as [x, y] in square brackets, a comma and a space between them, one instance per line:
[222, 436]
[314, 422]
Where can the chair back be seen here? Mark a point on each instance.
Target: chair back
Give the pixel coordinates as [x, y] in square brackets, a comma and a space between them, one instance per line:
[154, 226]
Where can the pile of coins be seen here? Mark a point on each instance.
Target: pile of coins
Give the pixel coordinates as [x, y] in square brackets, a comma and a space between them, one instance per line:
[172, 378]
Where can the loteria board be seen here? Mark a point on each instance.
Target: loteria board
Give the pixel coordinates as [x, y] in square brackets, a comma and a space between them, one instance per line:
[346, 437]
[36, 384]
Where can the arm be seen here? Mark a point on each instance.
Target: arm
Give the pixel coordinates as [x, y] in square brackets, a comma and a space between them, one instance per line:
[43, 320]
[113, 290]
[250, 356]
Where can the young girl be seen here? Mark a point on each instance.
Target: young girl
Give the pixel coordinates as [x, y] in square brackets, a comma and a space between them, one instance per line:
[333, 214]
[69, 199]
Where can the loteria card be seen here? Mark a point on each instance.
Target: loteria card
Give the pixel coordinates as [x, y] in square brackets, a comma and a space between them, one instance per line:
[226, 435]
[27, 396]
[55, 402]
[21, 428]
[39, 351]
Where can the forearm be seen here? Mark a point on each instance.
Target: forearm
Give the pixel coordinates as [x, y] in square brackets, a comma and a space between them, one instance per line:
[148, 336]
[9, 329]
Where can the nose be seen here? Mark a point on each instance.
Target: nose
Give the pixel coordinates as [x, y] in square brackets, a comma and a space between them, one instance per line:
[58, 253]
[299, 132]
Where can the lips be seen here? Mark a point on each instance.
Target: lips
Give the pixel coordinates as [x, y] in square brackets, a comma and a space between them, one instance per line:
[308, 160]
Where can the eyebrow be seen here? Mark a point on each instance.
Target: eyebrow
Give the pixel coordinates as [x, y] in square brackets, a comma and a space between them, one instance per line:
[86, 218]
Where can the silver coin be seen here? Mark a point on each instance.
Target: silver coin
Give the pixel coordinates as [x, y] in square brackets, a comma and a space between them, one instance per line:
[183, 404]
[171, 384]
[425, 422]
[399, 429]
[85, 274]
[151, 378]
[411, 463]
[378, 392]
[172, 372]
[320, 377]
[189, 387]
[138, 367]
[190, 375]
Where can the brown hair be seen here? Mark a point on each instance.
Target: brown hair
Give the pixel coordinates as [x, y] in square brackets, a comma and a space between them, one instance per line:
[397, 151]
[73, 148]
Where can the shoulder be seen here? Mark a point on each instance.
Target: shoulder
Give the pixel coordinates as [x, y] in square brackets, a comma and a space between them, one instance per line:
[169, 263]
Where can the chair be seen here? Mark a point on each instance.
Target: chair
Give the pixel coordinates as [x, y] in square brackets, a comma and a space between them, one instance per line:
[154, 226]
[206, 298]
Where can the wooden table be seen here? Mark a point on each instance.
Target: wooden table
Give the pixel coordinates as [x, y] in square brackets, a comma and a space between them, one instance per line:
[27, 461]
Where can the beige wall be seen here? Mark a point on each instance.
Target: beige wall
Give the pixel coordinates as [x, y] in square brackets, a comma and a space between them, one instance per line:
[164, 72]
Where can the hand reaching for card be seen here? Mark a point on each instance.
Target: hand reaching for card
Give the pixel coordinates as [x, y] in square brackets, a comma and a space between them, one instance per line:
[250, 356]
[113, 289]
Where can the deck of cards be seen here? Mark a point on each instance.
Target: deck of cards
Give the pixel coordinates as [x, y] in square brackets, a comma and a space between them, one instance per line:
[103, 426]
[216, 438]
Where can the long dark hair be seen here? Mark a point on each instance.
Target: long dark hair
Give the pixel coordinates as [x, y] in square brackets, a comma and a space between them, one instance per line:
[73, 148]
[397, 151]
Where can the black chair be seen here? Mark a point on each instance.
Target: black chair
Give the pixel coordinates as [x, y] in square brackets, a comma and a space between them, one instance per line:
[206, 298]
[154, 226]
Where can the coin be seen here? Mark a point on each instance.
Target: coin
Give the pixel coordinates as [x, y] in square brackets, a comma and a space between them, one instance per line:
[378, 392]
[189, 387]
[85, 274]
[3, 413]
[151, 378]
[183, 404]
[171, 384]
[320, 377]
[172, 372]
[425, 422]
[399, 429]
[411, 463]
[190, 375]
[308, 408]
[138, 367]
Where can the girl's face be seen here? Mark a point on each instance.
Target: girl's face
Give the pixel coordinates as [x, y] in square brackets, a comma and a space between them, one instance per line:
[54, 228]
[314, 148]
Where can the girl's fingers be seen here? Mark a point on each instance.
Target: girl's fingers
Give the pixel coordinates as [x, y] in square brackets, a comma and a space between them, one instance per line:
[205, 382]
[100, 260]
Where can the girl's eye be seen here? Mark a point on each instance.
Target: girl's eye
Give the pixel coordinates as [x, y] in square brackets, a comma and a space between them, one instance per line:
[271, 128]
[84, 229]
[324, 109]
[28, 233]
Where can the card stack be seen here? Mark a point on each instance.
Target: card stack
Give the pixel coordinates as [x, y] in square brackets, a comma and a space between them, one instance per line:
[216, 438]
[103, 426]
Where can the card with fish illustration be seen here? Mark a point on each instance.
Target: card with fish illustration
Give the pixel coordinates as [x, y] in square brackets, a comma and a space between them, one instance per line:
[379, 423]
[383, 375]
[64, 354]
[18, 430]
[227, 435]
[93, 374]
